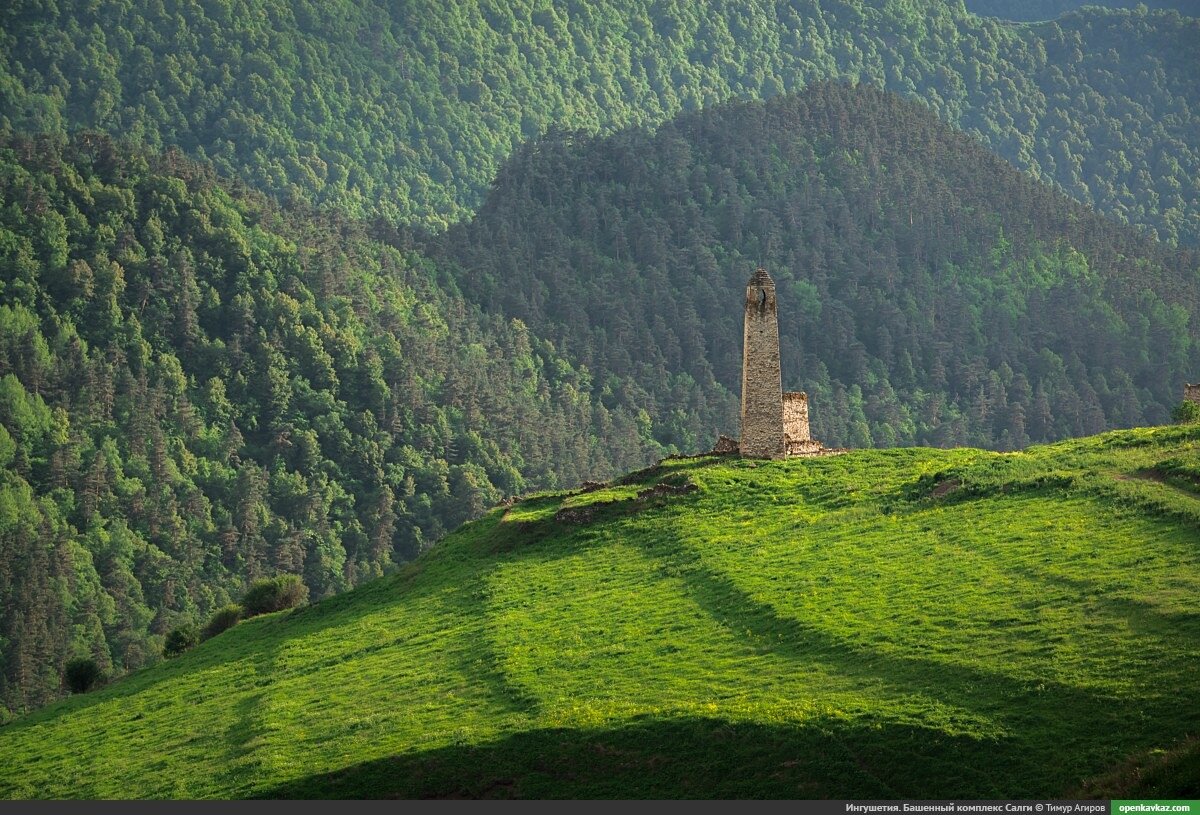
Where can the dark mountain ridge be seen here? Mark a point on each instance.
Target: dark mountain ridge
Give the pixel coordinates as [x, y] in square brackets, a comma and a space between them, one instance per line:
[929, 292]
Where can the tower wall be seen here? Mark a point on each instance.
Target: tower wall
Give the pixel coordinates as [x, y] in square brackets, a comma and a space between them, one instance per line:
[762, 388]
[797, 436]
[1191, 393]
[795, 417]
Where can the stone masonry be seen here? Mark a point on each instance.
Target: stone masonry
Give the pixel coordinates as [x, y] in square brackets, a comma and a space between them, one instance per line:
[795, 416]
[762, 388]
[797, 438]
[1191, 393]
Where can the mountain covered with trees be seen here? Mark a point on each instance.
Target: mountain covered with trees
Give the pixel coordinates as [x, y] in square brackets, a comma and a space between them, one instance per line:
[929, 293]
[198, 388]
[407, 110]
[1037, 10]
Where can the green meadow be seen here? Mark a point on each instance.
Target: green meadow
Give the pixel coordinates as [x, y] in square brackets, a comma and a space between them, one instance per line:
[904, 623]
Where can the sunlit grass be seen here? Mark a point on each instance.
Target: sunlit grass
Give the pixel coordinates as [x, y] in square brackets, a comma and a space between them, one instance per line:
[911, 623]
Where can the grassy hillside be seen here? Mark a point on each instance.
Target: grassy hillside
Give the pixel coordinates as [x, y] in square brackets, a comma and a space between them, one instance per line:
[893, 623]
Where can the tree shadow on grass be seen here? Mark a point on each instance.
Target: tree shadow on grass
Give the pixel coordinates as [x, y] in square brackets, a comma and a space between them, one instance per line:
[1052, 735]
[682, 758]
[1066, 732]
[259, 641]
[481, 542]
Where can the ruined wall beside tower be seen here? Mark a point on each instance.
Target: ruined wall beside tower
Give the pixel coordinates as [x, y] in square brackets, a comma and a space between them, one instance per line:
[762, 388]
[797, 436]
[795, 416]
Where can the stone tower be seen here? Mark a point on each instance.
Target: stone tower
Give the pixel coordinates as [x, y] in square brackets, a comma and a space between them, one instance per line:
[1191, 393]
[762, 388]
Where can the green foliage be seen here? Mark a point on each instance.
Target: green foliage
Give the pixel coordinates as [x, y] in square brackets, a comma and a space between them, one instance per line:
[223, 619]
[82, 674]
[1186, 412]
[407, 110]
[907, 622]
[274, 594]
[198, 390]
[929, 293]
[180, 639]
[1030, 10]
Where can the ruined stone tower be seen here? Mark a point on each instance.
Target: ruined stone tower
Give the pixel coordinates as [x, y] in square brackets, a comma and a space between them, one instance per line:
[1191, 393]
[762, 388]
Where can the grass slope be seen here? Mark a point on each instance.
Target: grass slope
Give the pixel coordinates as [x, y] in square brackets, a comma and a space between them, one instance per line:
[895, 623]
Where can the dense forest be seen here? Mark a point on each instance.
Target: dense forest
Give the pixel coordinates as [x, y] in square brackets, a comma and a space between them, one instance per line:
[198, 389]
[408, 109]
[929, 292]
[1035, 10]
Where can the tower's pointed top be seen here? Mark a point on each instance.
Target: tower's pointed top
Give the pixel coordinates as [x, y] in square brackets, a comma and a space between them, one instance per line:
[761, 278]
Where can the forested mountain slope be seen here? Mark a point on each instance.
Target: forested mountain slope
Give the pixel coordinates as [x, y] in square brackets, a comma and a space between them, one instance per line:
[928, 291]
[408, 109]
[1035, 10]
[197, 389]
[907, 623]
